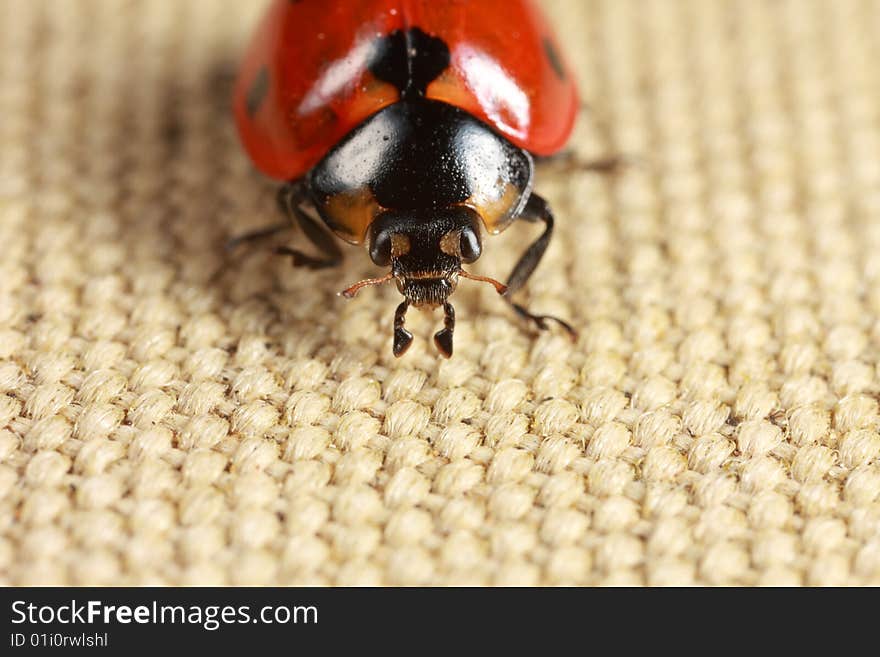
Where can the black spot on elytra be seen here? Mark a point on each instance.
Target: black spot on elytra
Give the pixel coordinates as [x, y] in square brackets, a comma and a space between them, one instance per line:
[554, 58]
[257, 92]
[409, 60]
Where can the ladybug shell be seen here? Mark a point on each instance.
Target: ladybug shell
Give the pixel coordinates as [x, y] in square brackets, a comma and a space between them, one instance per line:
[306, 81]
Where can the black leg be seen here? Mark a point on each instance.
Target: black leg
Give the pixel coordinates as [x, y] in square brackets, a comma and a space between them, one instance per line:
[568, 162]
[290, 199]
[537, 209]
[443, 337]
[402, 338]
[258, 234]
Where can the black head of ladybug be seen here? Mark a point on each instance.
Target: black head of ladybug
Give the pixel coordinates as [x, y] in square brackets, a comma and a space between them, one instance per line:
[425, 256]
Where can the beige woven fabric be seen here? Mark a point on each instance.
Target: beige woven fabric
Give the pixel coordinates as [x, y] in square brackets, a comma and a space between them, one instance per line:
[171, 415]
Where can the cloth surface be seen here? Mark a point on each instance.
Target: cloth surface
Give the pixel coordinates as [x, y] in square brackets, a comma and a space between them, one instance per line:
[171, 414]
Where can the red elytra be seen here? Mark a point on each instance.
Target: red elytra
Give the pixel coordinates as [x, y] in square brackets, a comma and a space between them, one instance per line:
[305, 81]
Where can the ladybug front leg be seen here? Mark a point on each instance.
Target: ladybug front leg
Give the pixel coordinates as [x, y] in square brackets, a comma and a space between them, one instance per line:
[402, 338]
[443, 337]
[268, 231]
[291, 197]
[536, 209]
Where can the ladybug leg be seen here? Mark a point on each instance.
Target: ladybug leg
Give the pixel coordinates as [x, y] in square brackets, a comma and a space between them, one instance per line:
[268, 231]
[257, 235]
[402, 338]
[290, 199]
[537, 209]
[568, 162]
[443, 337]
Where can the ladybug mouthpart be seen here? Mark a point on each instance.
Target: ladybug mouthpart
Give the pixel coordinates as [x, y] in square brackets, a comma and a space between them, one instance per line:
[423, 292]
[429, 292]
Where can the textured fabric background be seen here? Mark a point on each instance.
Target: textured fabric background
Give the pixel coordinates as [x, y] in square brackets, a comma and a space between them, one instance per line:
[171, 415]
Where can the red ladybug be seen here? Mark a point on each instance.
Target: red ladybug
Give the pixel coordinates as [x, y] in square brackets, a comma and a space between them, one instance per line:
[408, 126]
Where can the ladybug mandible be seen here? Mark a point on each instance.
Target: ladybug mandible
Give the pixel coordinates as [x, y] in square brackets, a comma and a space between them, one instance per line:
[407, 126]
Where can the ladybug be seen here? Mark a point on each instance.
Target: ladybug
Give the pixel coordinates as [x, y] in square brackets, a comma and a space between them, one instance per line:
[409, 127]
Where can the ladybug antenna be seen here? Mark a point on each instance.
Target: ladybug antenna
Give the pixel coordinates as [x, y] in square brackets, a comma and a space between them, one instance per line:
[500, 287]
[351, 291]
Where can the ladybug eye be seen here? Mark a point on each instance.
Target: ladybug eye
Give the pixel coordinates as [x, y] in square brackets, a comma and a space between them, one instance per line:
[380, 249]
[470, 246]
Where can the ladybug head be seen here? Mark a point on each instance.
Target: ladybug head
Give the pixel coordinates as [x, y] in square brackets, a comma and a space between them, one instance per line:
[425, 251]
